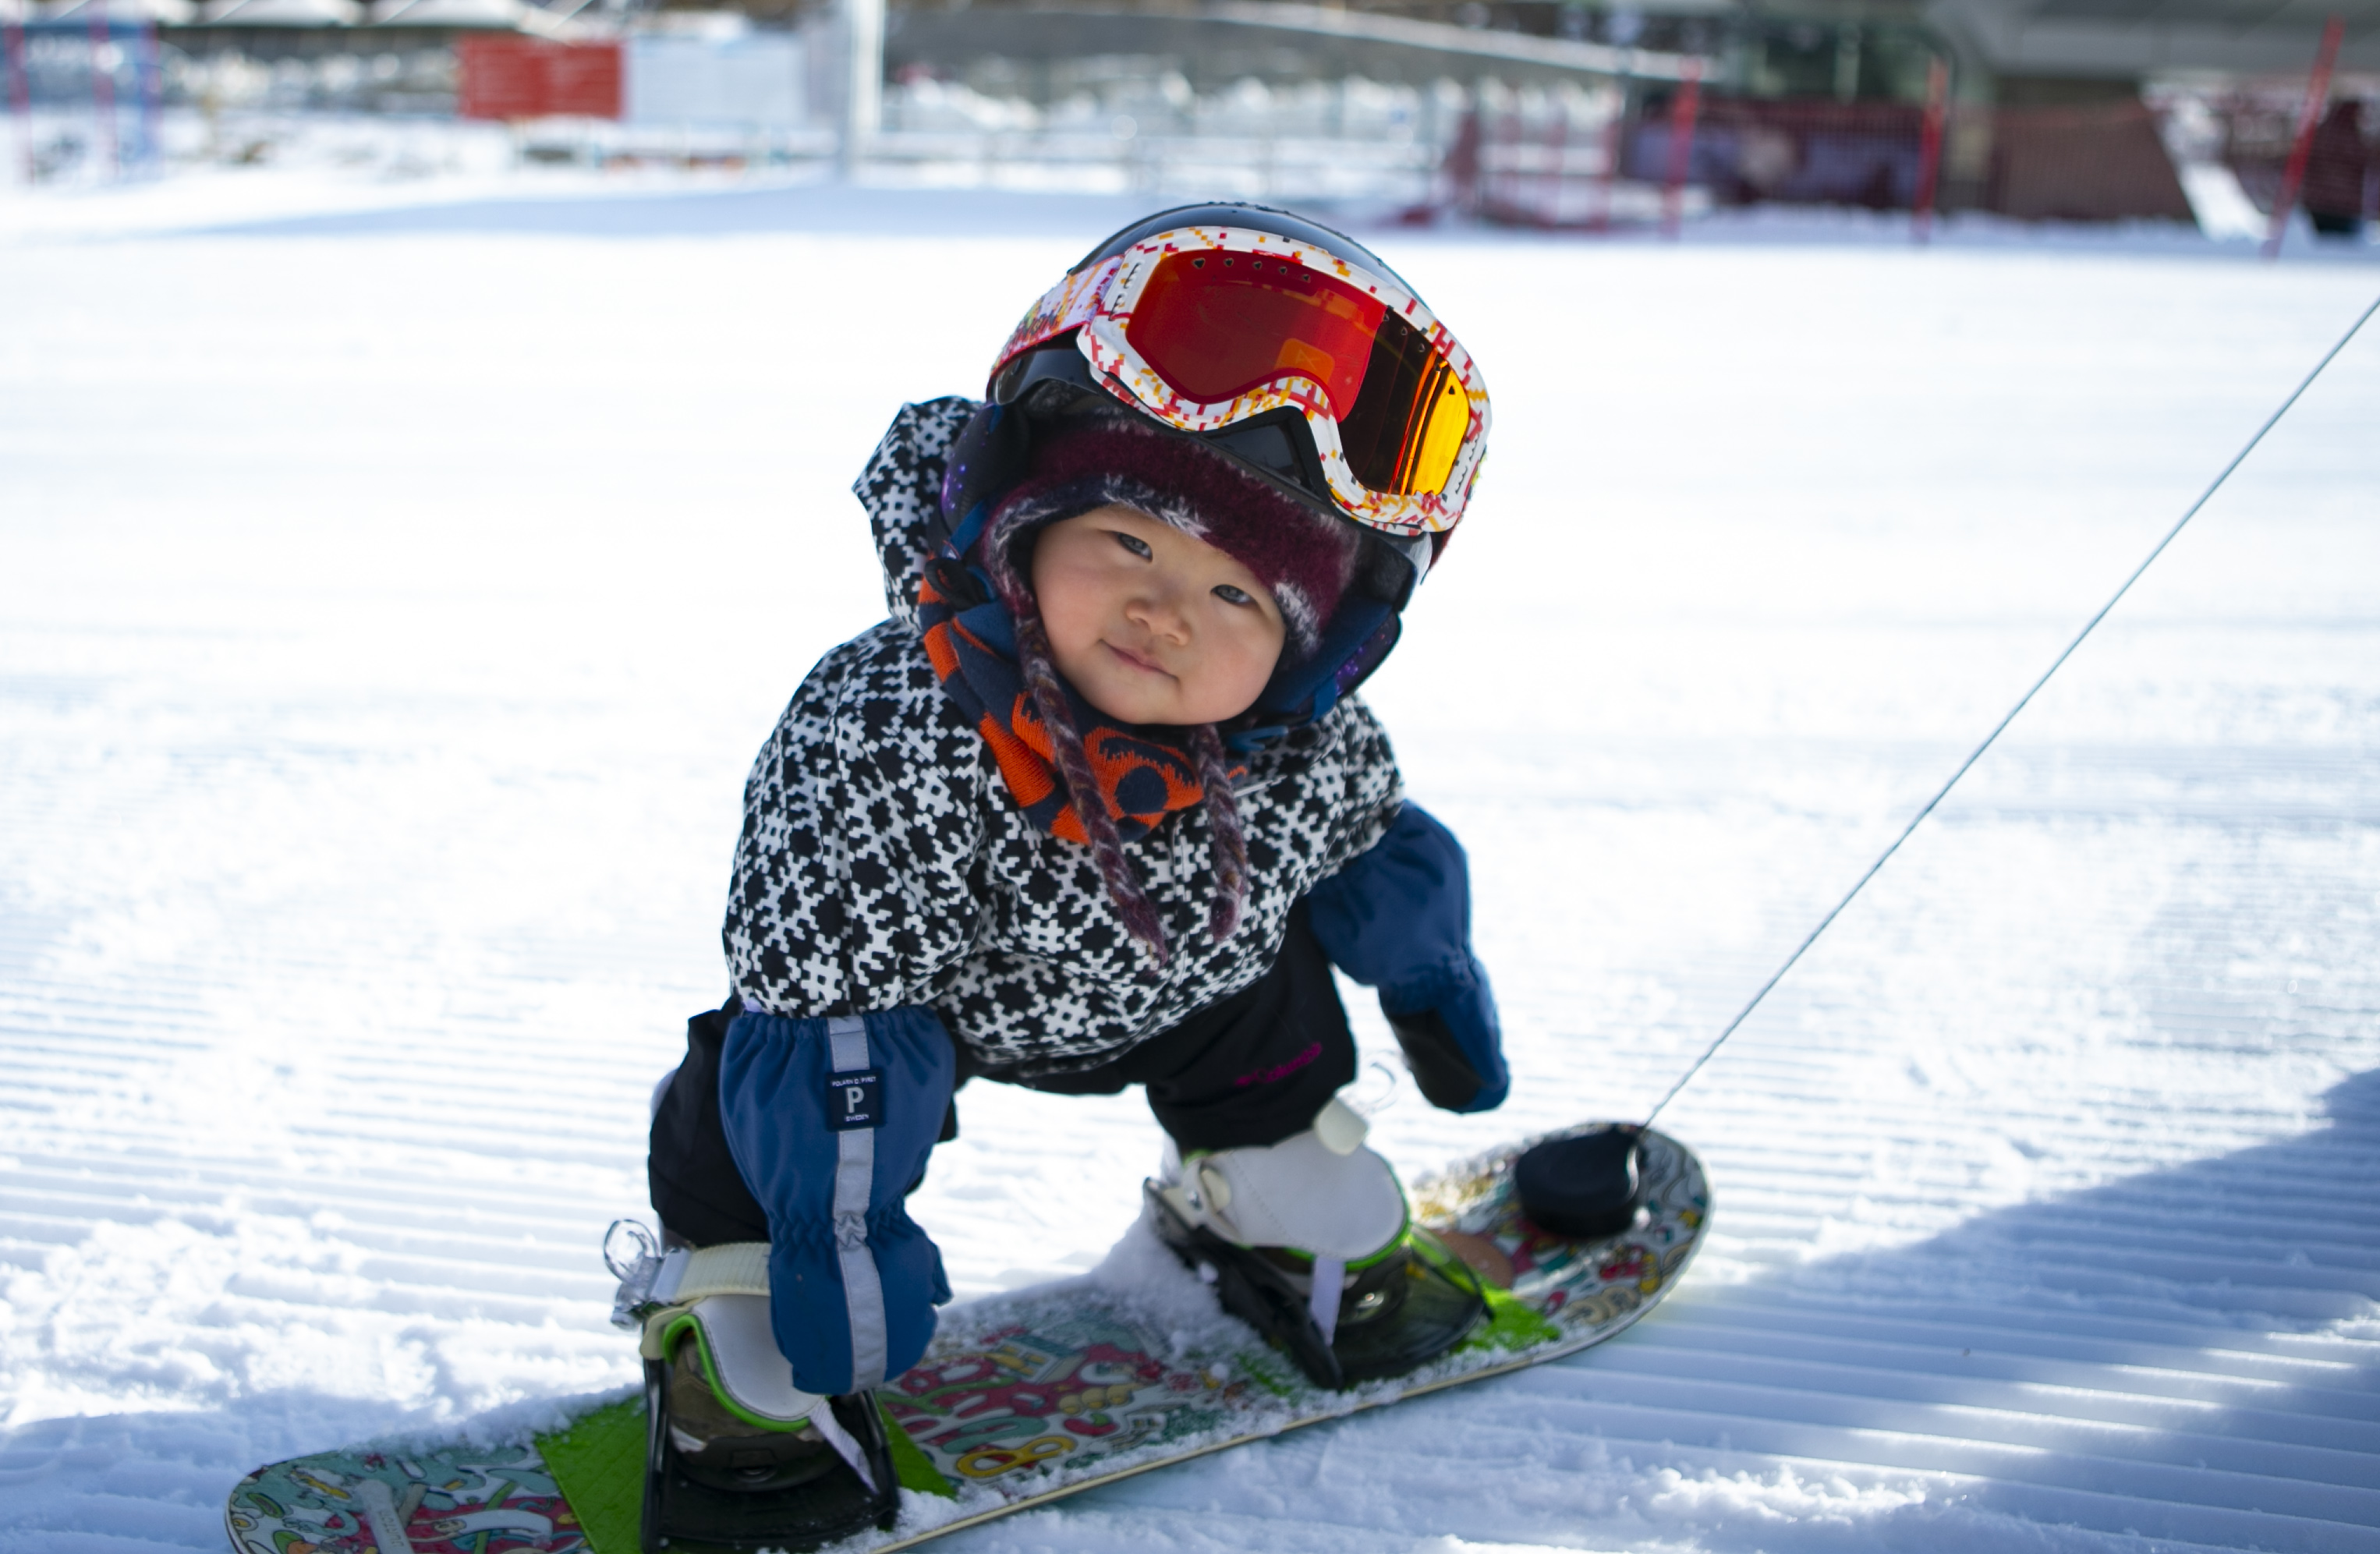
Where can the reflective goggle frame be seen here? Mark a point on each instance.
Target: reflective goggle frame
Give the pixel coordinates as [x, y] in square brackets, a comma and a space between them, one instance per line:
[1097, 303]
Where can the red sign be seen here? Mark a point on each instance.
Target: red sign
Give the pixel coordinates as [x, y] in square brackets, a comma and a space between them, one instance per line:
[509, 77]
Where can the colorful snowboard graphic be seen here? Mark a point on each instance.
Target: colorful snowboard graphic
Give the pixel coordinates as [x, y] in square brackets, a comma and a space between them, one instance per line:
[1022, 1398]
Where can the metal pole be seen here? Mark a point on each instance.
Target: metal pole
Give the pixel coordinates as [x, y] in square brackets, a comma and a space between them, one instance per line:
[1682, 144]
[1557, 151]
[103, 85]
[20, 93]
[1507, 141]
[2317, 95]
[1929, 149]
[1613, 127]
[863, 100]
[153, 96]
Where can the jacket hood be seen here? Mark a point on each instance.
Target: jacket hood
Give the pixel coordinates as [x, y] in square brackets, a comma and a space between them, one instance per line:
[910, 517]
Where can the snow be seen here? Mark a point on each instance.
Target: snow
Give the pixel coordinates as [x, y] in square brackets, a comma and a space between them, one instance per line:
[395, 595]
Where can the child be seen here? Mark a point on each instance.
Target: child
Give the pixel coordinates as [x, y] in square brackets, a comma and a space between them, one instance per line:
[1094, 808]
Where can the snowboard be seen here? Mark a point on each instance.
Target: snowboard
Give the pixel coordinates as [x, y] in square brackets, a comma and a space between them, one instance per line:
[1022, 1398]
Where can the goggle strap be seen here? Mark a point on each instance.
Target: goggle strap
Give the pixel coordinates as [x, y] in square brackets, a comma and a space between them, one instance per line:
[969, 529]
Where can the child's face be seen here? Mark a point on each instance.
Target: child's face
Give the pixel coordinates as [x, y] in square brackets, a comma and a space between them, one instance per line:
[1150, 625]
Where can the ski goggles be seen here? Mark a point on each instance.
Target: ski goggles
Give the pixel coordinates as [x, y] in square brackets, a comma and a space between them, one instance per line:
[1205, 328]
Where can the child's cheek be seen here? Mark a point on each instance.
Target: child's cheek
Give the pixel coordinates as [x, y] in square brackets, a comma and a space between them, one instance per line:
[1069, 610]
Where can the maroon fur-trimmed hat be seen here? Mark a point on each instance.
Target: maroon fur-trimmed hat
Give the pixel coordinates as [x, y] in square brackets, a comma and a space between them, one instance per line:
[1303, 559]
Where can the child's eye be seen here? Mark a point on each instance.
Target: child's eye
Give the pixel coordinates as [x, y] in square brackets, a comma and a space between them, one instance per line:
[1231, 595]
[1133, 544]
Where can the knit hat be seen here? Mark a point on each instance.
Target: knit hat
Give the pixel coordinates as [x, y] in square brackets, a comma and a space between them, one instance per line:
[1303, 559]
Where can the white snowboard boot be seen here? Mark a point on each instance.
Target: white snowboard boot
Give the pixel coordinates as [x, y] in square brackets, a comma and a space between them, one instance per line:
[1309, 1241]
[737, 1456]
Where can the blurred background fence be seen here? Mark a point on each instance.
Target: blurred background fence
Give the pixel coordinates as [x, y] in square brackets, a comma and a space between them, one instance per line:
[1557, 169]
[1553, 116]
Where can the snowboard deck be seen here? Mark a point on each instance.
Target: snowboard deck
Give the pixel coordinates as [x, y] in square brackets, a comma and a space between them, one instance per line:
[1022, 1399]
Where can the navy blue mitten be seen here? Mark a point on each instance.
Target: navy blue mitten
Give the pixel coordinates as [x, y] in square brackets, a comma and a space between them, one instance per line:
[830, 1122]
[1398, 918]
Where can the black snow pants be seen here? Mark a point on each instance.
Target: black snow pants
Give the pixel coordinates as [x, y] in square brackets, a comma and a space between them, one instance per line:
[1249, 1070]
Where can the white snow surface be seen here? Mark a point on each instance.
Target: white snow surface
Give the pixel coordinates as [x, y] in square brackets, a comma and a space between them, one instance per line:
[393, 602]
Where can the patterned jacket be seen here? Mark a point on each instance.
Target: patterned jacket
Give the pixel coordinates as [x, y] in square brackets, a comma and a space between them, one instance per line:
[884, 863]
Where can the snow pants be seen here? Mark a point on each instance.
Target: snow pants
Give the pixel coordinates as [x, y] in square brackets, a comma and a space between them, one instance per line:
[1249, 1070]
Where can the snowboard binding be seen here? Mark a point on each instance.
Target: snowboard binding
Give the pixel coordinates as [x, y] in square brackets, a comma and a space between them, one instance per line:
[1397, 1311]
[736, 1458]
[740, 1489]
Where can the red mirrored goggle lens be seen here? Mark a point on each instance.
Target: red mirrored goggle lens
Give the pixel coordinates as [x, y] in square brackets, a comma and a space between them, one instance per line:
[1215, 324]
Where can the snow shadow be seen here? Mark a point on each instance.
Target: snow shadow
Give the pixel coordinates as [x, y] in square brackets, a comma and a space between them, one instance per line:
[824, 208]
[2281, 1237]
[2160, 1356]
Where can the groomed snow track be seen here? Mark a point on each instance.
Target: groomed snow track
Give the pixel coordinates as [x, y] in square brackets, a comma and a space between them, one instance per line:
[389, 617]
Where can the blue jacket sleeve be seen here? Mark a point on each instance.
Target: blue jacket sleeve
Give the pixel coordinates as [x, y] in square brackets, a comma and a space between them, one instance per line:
[1398, 918]
[830, 1122]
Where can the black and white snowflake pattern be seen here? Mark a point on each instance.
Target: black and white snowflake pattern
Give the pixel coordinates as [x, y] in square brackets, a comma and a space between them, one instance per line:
[884, 863]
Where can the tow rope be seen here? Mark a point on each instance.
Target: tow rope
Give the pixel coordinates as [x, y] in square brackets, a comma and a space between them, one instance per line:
[1943, 792]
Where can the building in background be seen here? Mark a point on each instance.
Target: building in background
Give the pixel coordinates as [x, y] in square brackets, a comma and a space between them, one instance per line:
[1546, 112]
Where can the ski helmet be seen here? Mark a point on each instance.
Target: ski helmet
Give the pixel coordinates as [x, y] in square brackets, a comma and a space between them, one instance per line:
[1286, 348]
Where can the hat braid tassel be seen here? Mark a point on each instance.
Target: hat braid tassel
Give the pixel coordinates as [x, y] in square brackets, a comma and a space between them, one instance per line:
[1230, 840]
